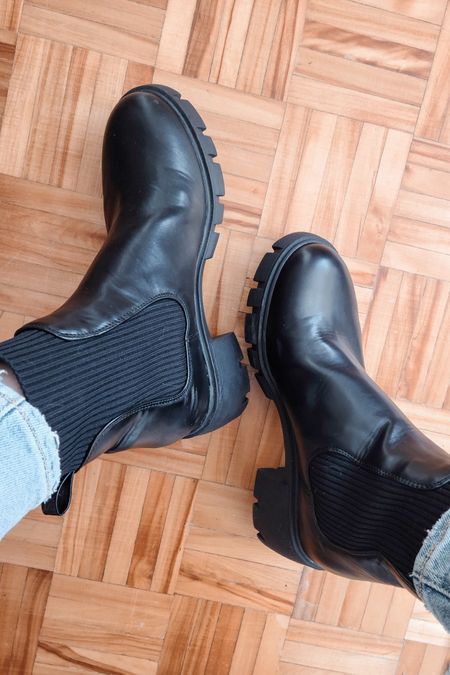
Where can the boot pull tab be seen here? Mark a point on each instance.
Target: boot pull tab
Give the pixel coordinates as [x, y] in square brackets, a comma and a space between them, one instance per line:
[60, 500]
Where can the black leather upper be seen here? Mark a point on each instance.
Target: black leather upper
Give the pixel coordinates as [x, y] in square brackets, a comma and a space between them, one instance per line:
[155, 204]
[158, 205]
[315, 358]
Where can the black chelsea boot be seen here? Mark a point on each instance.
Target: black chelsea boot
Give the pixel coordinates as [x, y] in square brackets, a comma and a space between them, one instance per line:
[361, 486]
[132, 341]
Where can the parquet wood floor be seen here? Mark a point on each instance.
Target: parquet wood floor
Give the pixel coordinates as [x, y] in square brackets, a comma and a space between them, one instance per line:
[330, 116]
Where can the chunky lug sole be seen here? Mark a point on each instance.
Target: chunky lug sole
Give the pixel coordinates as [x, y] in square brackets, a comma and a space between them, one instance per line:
[228, 376]
[275, 513]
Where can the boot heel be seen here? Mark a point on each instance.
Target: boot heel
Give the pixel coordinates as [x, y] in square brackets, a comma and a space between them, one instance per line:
[232, 381]
[274, 515]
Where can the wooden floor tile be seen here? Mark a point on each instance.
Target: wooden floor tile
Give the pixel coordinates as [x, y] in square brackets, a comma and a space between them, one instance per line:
[318, 646]
[24, 593]
[104, 617]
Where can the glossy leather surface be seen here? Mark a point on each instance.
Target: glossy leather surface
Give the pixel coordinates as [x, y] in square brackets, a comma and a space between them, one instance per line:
[313, 345]
[158, 206]
[155, 205]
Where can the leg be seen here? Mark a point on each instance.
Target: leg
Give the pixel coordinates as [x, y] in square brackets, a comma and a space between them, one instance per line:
[128, 360]
[29, 459]
[431, 572]
[362, 486]
[9, 378]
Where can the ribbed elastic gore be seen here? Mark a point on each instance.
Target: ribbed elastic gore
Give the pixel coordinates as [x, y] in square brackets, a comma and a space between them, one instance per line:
[362, 511]
[80, 385]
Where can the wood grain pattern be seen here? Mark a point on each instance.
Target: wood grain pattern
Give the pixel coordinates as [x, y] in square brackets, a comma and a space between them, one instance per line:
[330, 116]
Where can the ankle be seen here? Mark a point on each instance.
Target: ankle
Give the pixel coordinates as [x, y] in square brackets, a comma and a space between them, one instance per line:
[9, 378]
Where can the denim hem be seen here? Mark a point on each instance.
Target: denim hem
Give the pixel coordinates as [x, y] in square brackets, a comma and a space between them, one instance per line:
[431, 573]
[29, 458]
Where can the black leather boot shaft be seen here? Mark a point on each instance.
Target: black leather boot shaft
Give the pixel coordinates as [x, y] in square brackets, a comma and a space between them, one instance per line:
[307, 348]
[161, 203]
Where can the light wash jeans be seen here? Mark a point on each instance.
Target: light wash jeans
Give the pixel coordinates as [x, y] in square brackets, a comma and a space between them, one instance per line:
[30, 472]
[29, 459]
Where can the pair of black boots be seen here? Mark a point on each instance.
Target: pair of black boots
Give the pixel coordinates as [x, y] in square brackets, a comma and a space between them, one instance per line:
[128, 360]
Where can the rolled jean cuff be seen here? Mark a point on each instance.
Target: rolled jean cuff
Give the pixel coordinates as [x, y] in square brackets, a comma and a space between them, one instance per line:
[431, 573]
[29, 458]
